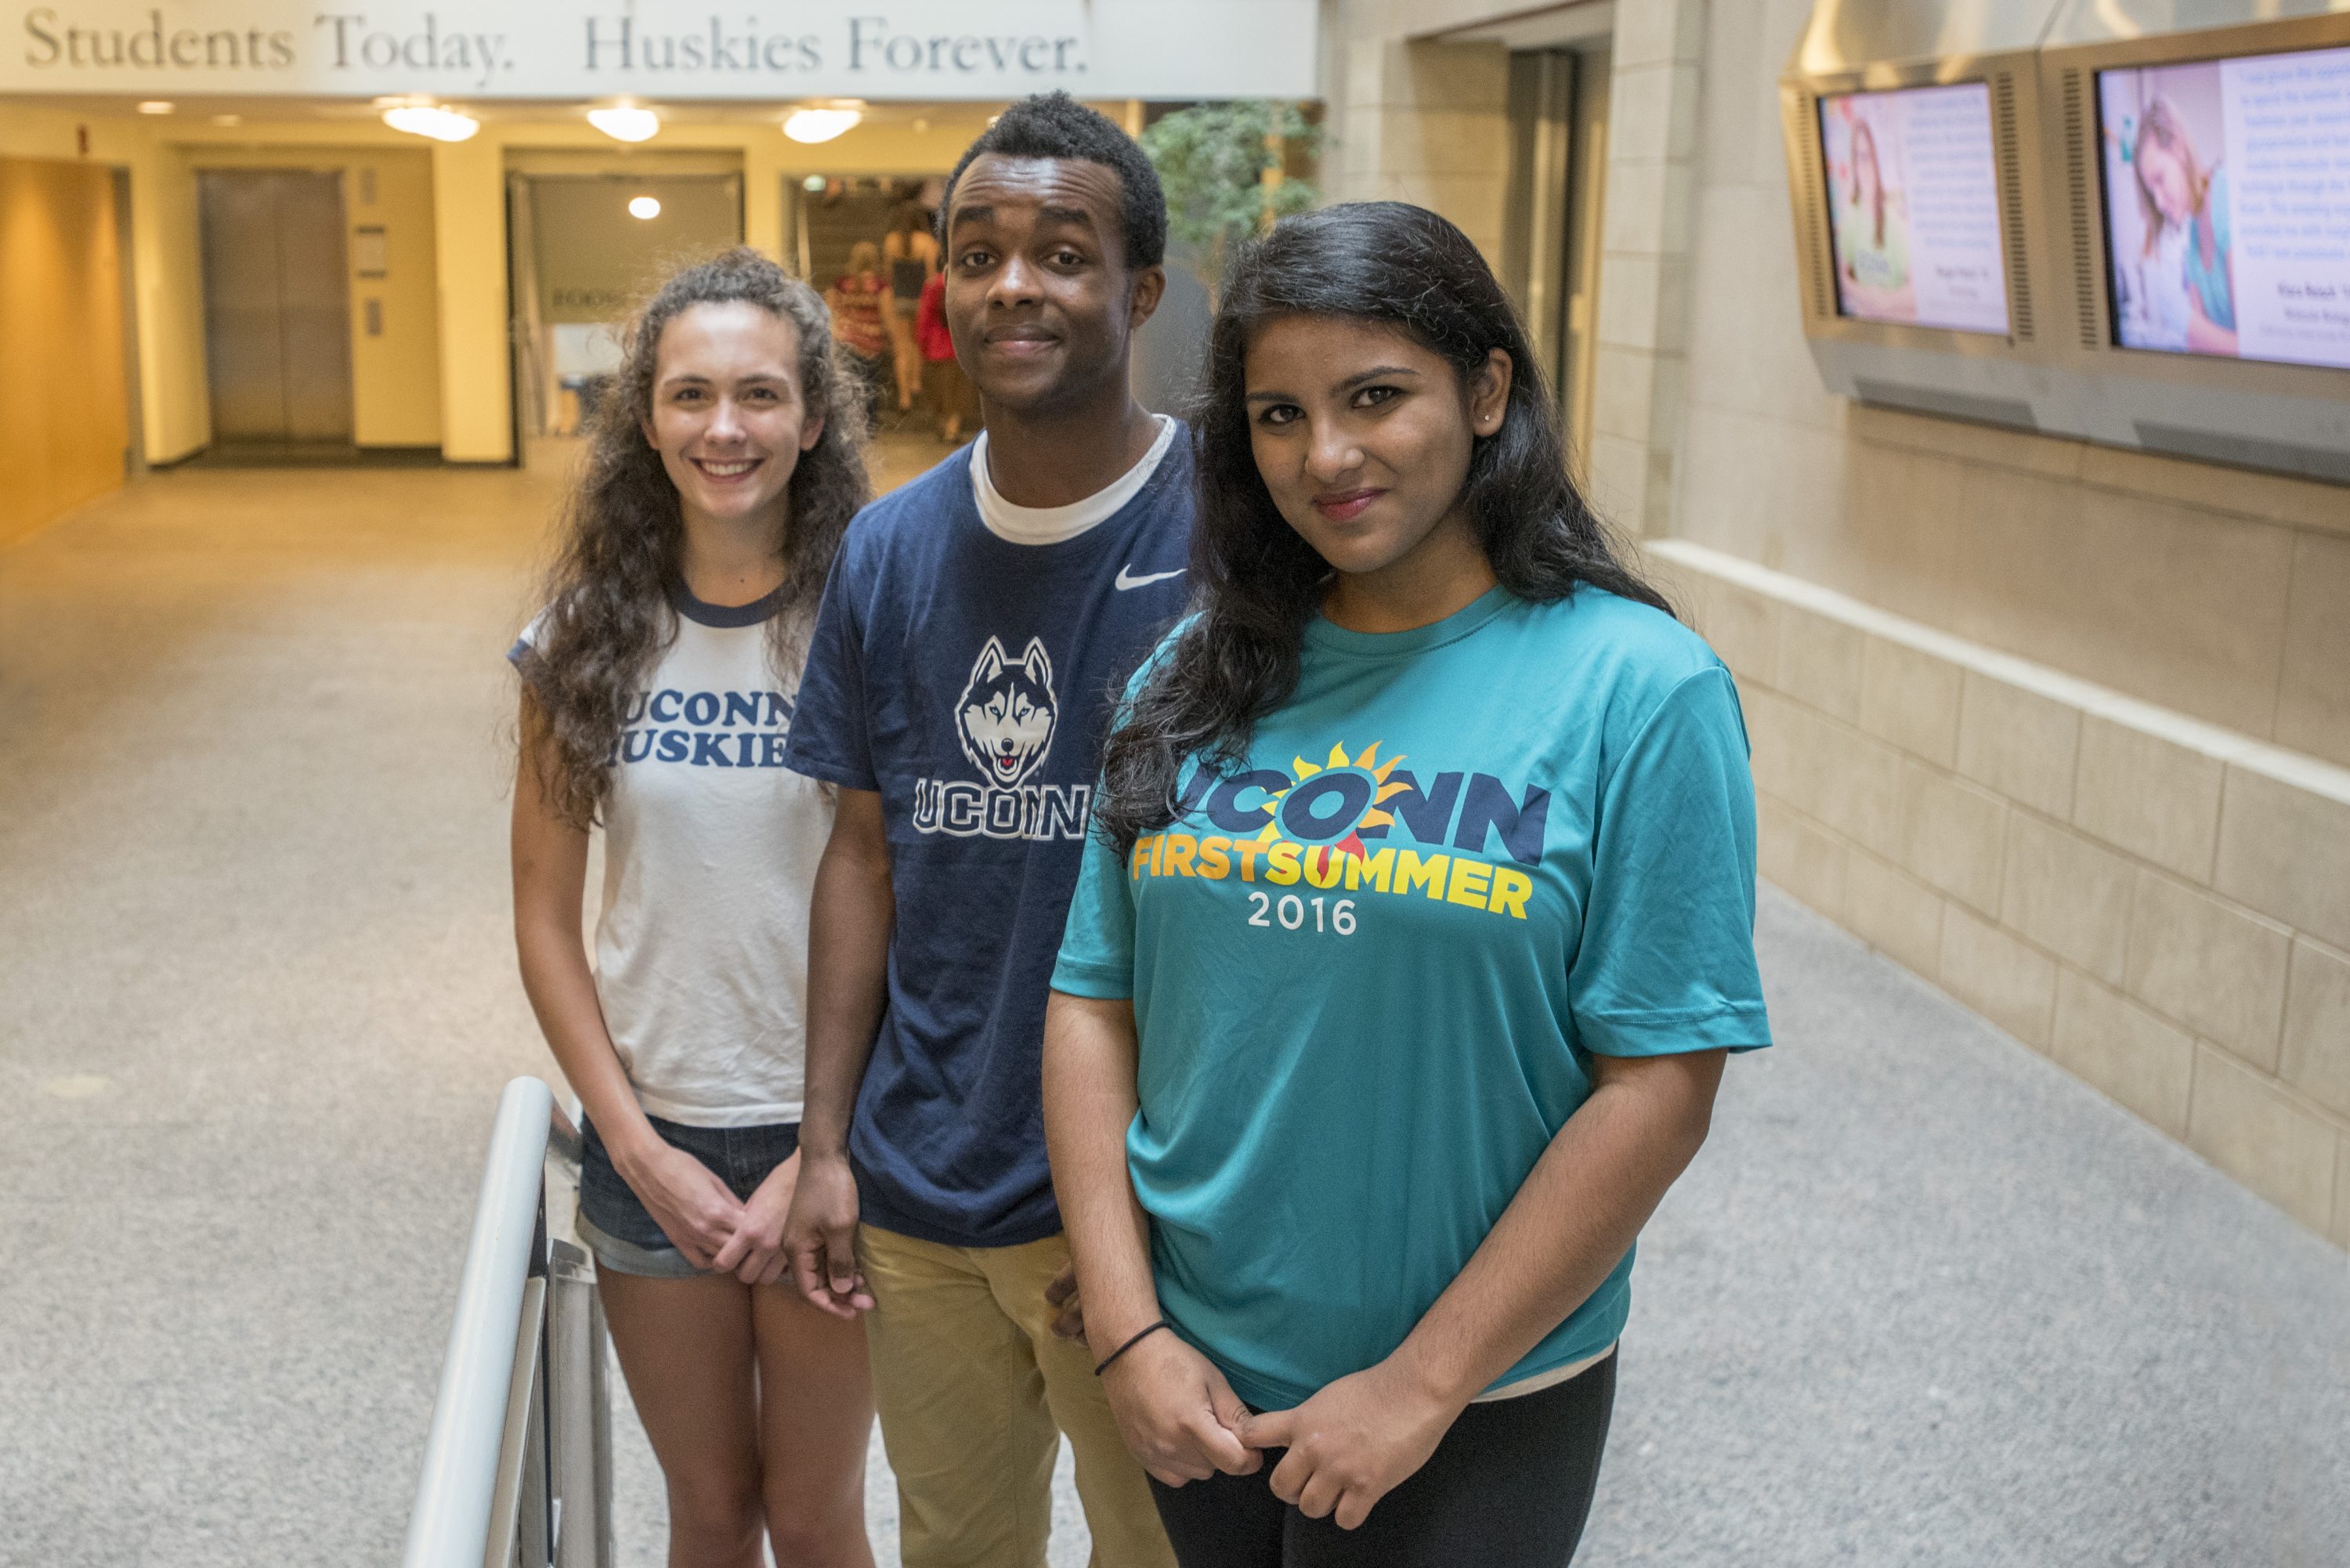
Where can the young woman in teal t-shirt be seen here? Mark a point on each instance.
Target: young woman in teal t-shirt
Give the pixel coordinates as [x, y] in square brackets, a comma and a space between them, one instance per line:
[1418, 924]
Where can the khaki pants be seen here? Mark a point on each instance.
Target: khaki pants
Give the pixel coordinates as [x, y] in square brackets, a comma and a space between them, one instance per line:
[974, 1391]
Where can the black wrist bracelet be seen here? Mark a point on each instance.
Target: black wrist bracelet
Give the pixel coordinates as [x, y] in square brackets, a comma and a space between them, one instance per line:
[1103, 1363]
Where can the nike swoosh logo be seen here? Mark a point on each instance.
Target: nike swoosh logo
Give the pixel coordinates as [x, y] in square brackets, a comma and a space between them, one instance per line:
[1127, 579]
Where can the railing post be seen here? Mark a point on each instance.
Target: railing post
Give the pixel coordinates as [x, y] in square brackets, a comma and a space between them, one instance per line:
[518, 1527]
[456, 1486]
[518, 1471]
[580, 1436]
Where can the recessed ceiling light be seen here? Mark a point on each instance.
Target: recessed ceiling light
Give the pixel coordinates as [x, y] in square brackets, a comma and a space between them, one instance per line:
[157, 105]
[625, 122]
[814, 125]
[644, 206]
[440, 124]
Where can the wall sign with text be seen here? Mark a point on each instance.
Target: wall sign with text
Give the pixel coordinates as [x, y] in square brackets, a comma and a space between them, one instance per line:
[1913, 207]
[2228, 206]
[882, 49]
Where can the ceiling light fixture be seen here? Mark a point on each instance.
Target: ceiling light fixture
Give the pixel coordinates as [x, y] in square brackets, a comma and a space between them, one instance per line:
[644, 206]
[625, 122]
[157, 105]
[441, 124]
[815, 125]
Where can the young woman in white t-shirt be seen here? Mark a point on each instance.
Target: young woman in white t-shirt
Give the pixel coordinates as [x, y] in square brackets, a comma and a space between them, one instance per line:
[658, 691]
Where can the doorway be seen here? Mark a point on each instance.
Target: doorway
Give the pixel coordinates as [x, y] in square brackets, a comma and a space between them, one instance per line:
[278, 345]
[586, 249]
[1550, 247]
[835, 217]
[64, 413]
[836, 212]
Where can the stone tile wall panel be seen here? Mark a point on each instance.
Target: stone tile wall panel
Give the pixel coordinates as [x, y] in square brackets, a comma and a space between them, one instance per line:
[2159, 905]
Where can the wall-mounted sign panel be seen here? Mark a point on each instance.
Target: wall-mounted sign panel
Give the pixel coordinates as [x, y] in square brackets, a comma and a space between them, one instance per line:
[1913, 207]
[2227, 187]
[2169, 191]
[872, 49]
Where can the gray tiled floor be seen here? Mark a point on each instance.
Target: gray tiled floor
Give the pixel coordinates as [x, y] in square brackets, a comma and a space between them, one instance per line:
[1924, 1300]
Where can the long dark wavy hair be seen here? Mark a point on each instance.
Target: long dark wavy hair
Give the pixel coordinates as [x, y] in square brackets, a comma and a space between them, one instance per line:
[610, 615]
[1255, 581]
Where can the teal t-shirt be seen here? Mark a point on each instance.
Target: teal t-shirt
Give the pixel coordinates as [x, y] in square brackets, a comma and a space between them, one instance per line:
[1369, 968]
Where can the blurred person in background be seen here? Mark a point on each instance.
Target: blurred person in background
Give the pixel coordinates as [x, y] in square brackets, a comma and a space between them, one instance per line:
[952, 397]
[910, 252]
[858, 298]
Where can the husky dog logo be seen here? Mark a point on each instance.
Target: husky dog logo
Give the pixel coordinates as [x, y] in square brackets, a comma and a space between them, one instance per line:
[1007, 712]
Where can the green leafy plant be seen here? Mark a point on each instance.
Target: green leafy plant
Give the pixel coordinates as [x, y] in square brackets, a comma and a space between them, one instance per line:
[1223, 167]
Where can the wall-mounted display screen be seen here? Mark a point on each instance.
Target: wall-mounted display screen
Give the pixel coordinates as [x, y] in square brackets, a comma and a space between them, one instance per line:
[2228, 206]
[1913, 200]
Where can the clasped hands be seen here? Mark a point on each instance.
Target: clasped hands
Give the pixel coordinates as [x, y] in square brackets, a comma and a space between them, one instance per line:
[706, 1222]
[1347, 1447]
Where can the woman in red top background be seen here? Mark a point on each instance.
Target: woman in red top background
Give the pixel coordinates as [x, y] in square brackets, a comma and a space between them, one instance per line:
[952, 397]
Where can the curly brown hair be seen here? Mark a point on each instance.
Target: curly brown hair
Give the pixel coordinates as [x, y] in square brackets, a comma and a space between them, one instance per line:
[609, 593]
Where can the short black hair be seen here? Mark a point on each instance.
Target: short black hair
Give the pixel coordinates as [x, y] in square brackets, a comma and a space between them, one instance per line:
[1054, 125]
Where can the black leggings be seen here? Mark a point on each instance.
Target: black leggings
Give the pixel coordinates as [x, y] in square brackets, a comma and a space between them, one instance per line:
[1508, 1487]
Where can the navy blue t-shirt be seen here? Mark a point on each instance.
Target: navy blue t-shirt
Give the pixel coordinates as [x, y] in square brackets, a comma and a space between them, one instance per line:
[969, 679]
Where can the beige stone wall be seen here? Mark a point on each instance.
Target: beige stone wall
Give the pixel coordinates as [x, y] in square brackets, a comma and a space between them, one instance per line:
[1426, 123]
[2222, 593]
[1416, 117]
[1640, 384]
[2159, 905]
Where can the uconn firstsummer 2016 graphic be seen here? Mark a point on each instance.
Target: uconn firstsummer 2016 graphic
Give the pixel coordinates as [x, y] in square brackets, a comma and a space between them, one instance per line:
[704, 728]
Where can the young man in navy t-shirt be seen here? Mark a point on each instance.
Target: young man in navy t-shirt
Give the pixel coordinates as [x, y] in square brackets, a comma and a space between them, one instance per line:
[977, 627]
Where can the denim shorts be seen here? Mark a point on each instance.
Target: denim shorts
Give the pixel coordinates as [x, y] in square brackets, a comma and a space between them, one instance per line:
[621, 1232]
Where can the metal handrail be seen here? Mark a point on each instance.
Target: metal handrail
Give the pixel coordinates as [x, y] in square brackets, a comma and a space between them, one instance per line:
[521, 1426]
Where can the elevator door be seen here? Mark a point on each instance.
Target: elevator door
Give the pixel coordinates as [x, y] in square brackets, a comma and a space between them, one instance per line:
[276, 306]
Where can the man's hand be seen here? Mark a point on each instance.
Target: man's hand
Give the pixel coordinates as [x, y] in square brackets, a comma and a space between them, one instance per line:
[1179, 1416]
[820, 1236]
[1069, 1322]
[1351, 1444]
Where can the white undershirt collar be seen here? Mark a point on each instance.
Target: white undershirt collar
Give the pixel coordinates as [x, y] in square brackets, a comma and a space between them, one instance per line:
[1056, 524]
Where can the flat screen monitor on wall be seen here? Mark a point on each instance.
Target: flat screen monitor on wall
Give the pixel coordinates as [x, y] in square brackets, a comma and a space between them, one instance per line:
[2227, 186]
[1913, 207]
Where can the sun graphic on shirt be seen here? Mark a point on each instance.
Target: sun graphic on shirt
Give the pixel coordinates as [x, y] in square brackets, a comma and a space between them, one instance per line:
[1329, 803]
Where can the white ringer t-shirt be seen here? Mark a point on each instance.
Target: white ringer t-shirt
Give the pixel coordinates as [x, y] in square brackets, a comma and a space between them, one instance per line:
[1052, 524]
[711, 847]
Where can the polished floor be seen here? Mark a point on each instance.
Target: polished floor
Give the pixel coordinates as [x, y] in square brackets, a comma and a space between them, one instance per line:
[1924, 1300]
